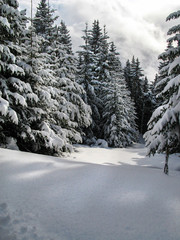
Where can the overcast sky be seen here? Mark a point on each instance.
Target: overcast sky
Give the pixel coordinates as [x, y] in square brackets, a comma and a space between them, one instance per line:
[137, 27]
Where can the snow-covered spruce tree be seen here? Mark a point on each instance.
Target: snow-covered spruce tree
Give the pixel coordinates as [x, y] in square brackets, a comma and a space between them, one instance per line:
[153, 90]
[163, 133]
[54, 128]
[92, 69]
[66, 113]
[163, 74]
[98, 47]
[119, 112]
[128, 77]
[64, 37]
[72, 114]
[48, 140]
[147, 104]
[40, 76]
[137, 89]
[83, 77]
[44, 19]
[140, 92]
[16, 94]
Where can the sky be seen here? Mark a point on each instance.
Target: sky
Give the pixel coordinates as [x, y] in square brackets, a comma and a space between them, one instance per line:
[137, 27]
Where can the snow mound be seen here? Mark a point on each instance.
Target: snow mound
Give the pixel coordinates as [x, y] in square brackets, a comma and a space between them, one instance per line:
[101, 143]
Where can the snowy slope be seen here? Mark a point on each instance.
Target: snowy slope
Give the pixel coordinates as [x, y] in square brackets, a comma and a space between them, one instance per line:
[94, 194]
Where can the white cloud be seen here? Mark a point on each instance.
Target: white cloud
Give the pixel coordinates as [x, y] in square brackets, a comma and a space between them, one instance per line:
[136, 26]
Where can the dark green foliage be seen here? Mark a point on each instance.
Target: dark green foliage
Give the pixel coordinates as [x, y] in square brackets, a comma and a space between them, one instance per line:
[16, 95]
[101, 75]
[118, 112]
[40, 102]
[92, 73]
[44, 19]
[163, 133]
[140, 93]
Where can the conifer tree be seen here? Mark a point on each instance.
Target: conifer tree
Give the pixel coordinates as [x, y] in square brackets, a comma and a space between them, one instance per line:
[140, 92]
[16, 94]
[42, 79]
[44, 19]
[101, 75]
[163, 73]
[119, 112]
[84, 77]
[64, 37]
[73, 114]
[163, 133]
[93, 72]
[96, 42]
[65, 111]
[128, 77]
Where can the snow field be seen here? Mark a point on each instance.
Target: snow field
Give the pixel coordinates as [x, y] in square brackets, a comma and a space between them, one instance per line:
[94, 194]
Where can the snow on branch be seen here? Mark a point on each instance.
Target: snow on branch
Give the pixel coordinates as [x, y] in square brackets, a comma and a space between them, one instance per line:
[4, 22]
[51, 138]
[174, 64]
[13, 116]
[15, 69]
[19, 99]
[173, 15]
[3, 106]
[174, 29]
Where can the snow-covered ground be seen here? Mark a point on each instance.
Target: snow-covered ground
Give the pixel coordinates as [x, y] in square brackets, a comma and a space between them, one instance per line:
[94, 194]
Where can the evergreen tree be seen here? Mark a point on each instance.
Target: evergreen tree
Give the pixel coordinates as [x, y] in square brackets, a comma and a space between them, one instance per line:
[73, 114]
[42, 79]
[64, 37]
[97, 42]
[128, 77]
[163, 73]
[140, 92]
[148, 105]
[119, 112]
[16, 94]
[101, 75]
[93, 72]
[44, 19]
[40, 102]
[66, 112]
[163, 133]
[84, 77]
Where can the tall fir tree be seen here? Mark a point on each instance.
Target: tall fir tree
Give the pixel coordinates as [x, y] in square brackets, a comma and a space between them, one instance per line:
[119, 112]
[163, 74]
[101, 75]
[16, 94]
[128, 77]
[41, 105]
[44, 19]
[76, 111]
[42, 78]
[66, 112]
[140, 92]
[64, 37]
[84, 76]
[163, 133]
[93, 72]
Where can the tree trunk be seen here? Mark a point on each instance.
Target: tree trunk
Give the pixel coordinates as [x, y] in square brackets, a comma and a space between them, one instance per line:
[166, 168]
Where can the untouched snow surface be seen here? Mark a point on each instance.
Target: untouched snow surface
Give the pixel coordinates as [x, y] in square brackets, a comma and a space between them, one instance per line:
[94, 194]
